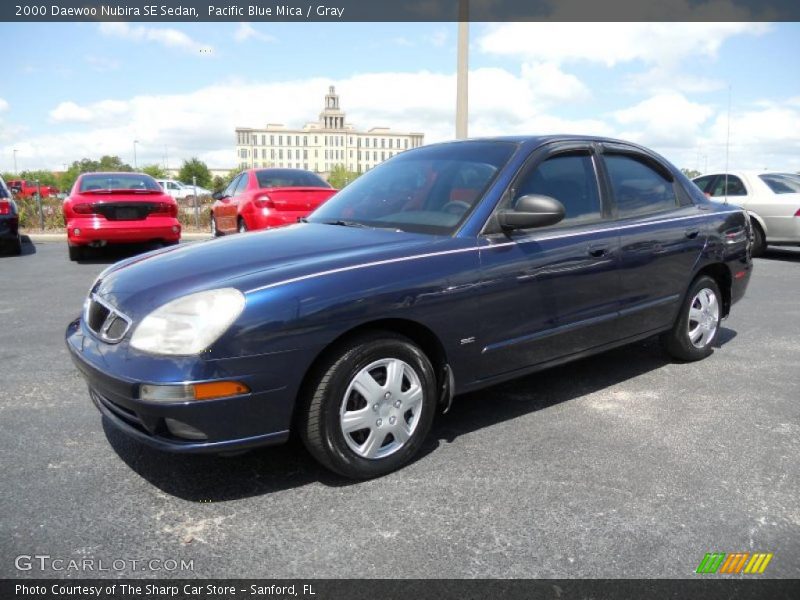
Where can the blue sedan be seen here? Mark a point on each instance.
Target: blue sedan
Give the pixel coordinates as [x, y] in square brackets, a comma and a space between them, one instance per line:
[447, 269]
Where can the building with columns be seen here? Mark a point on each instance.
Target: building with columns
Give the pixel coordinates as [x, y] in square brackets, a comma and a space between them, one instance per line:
[320, 146]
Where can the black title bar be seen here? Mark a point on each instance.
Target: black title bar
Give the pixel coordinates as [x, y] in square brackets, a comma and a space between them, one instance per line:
[400, 10]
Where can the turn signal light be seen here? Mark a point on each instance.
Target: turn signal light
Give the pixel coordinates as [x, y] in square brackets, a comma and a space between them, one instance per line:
[192, 391]
[165, 208]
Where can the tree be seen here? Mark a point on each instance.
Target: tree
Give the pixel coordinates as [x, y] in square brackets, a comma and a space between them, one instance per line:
[341, 177]
[220, 183]
[155, 171]
[195, 167]
[107, 163]
[691, 173]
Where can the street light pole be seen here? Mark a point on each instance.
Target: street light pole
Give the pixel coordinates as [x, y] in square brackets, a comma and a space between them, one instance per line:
[462, 70]
[135, 165]
[15, 162]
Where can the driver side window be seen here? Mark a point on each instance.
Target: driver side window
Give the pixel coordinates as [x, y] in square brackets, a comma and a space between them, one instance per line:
[228, 192]
[570, 179]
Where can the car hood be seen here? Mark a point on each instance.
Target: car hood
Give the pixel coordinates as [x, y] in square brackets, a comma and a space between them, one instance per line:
[246, 261]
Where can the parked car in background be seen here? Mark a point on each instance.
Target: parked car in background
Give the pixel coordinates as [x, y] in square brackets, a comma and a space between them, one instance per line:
[181, 191]
[264, 198]
[445, 270]
[114, 208]
[771, 199]
[10, 240]
[25, 188]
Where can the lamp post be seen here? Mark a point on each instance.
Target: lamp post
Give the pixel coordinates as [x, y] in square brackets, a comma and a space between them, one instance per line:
[15, 162]
[462, 70]
[135, 165]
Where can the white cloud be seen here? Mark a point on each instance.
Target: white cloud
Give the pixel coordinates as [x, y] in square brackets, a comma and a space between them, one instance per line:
[667, 119]
[611, 43]
[4, 105]
[169, 37]
[245, 31]
[71, 112]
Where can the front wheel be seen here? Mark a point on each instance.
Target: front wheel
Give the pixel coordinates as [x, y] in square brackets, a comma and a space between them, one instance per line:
[367, 410]
[696, 328]
[759, 241]
[214, 231]
[242, 226]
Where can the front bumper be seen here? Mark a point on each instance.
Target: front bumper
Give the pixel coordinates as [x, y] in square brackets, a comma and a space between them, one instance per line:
[259, 418]
[98, 229]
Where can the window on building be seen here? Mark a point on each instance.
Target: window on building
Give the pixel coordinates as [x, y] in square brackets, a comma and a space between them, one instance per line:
[297, 140]
[272, 154]
[383, 155]
[383, 142]
[280, 140]
[305, 140]
[406, 143]
[316, 140]
[305, 155]
[280, 153]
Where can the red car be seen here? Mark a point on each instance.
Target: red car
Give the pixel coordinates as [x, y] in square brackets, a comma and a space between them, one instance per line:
[24, 188]
[262, 198]
[112, 208]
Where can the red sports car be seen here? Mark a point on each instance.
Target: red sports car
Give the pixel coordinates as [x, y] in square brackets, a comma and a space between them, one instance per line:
[112, 208]
[262, 198]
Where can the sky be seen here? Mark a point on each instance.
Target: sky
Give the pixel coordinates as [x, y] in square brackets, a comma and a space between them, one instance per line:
[75, 90]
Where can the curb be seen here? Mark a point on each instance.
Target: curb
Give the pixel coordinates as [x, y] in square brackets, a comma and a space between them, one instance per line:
[62, 237]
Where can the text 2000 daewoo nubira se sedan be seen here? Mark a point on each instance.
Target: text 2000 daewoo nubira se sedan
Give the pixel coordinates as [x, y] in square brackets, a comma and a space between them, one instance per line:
[446, 269]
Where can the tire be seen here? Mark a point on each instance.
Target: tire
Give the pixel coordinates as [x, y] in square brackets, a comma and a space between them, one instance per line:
[242, 226]
[397, 415]
[16, 247]
[697, 326]
[214, 231]
[75, 253]
[759, 240]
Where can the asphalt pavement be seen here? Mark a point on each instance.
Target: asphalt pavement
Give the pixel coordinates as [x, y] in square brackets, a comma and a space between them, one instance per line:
[621, 465]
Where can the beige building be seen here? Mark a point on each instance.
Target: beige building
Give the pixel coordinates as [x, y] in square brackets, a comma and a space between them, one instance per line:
[321, 145]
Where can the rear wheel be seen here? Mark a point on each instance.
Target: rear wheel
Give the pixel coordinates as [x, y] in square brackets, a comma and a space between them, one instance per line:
[75, 253]
[367, 410]
[16, 246]
[696, 328]
[759, 240]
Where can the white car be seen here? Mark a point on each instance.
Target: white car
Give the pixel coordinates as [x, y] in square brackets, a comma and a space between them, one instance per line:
[771, 199]
[181, 191]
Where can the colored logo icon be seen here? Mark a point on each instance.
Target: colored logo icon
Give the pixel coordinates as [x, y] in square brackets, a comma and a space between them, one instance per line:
[735, 562]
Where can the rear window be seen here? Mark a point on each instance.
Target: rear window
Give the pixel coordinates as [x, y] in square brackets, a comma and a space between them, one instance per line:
[272, 178]
[117, 181]
[4, 193]
[782, 184]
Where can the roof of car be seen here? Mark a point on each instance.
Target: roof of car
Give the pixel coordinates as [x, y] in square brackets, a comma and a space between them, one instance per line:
[746, 172]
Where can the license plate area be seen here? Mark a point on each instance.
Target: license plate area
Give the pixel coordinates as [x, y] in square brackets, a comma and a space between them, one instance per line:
[127, 214]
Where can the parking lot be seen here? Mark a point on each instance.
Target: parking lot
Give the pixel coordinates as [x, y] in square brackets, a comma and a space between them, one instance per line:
[620, 465]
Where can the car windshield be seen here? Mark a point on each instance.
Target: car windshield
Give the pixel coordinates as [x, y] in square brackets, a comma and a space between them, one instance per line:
[782, 183]
[118, 181]
[428, 190]
[274, 178]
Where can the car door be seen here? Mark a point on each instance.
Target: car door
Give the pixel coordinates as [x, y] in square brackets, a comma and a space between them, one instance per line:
[239, 200]
[662, 236]
[226, 209]
[553, 291]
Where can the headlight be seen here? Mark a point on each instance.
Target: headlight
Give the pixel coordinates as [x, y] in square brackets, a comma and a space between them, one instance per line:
[190, 324]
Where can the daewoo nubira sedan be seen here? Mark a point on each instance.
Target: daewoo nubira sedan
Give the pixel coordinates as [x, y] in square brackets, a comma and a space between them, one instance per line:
[446, 269]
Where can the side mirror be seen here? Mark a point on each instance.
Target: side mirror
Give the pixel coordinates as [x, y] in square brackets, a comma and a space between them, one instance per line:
[217, 196]
[531, 210]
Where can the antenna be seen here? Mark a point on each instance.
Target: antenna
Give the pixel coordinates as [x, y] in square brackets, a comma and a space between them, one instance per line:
[728, 145]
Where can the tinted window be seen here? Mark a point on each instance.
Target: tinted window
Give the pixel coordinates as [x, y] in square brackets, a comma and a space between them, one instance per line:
[429, 190]
[569, 179]
[704, 182]
[638, 188]
[4, 193]
[117, 181]
[272, 178]
[241, 184]
[782, 184]
[231, 187]
[732, 187]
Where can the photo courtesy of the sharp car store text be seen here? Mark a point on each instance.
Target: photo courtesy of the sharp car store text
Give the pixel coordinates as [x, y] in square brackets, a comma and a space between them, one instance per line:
[441, 299]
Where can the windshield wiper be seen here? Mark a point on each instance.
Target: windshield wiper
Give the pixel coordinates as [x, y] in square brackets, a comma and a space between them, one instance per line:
[345, 223]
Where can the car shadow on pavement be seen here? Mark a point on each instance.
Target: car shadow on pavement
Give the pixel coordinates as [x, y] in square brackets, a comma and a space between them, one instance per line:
[110, 254]
[208, 478]
[784, 254]
[28, 248]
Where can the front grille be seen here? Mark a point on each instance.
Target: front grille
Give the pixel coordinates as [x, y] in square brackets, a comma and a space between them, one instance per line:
[108, 323]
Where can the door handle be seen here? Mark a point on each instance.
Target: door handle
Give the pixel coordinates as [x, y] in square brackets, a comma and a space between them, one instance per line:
[692, 233]
[597, 251]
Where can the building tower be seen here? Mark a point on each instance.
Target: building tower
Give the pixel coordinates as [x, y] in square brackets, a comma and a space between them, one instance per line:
[332, 117]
